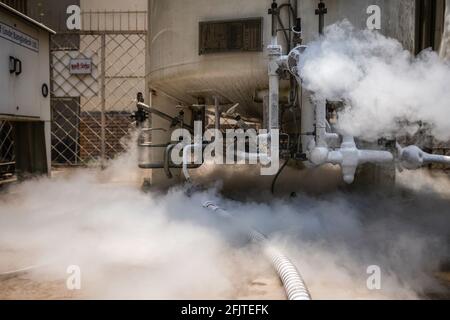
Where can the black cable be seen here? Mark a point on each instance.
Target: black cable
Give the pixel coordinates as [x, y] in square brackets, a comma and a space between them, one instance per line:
[286, 36]
[291, 9]
[277, 176]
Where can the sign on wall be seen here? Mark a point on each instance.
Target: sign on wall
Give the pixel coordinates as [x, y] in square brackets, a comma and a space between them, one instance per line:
[80, 66]
[18, 37]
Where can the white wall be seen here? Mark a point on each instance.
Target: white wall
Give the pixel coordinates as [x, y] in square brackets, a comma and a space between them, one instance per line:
[397, 17]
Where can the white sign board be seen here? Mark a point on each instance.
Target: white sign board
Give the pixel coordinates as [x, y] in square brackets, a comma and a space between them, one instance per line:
[80, 66]
[18, 37]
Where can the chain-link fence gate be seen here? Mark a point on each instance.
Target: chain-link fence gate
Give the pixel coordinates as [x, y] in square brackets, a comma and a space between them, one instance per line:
[7, 157]
[96, 74]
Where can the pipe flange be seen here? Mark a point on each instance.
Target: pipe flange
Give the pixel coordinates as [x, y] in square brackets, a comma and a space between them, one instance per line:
[293, 60]
[274, 50]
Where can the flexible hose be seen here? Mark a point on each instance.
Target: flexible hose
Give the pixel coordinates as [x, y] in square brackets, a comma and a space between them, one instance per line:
[293, 282]
[16, 273]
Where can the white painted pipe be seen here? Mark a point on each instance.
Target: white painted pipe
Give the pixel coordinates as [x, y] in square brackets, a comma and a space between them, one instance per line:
[275, 53]
[413, 158]
[186, 154]
[293, 282]
[307, 120]
[321, 124]
[349, 157]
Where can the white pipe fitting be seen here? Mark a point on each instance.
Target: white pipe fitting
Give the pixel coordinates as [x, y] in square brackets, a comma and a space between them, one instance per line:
[349, 157]
[412, 158]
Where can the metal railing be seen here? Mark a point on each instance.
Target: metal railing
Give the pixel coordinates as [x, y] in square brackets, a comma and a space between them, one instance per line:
[114, 20]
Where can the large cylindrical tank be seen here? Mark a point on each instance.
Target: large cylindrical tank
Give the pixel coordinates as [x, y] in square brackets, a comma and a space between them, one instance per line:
[175, 66]
[179, 72]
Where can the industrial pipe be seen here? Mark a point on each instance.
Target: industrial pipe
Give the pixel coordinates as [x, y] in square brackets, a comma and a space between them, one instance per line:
[186, 153]
[162, 115]
[161, 165]
[275, 53]
[349, 157]
[293, 282]
[412, 158]
[217, 113]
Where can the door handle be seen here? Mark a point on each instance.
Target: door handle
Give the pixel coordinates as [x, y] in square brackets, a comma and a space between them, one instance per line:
[15, 65]
[12, 65]
[18, 66]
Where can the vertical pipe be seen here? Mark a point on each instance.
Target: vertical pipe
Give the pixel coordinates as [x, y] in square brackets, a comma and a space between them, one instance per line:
[266, 112]
[307, 119]
[217, 112]
[321, 123]
[321, 23]
[274, 85]
[103, 100]
[321, 11]
[48, 146]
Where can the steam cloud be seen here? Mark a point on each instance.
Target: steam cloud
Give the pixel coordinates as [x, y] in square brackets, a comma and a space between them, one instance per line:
[156, 246]
[383, 85]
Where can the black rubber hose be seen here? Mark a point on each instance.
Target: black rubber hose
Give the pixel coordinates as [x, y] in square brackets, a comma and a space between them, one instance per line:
[280, 171]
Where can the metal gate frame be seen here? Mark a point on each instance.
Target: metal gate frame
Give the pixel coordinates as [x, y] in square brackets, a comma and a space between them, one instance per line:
[106, 96]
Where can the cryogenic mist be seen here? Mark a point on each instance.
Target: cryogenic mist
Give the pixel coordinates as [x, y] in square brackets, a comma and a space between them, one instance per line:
[386, 89]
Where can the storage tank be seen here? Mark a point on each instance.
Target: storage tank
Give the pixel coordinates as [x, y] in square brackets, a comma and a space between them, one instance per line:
[235, 64]
[181, 68]
[201, 49]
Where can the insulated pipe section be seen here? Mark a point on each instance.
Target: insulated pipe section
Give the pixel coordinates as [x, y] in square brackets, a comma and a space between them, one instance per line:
[293, 282]
[412, 158]
[322, 136]
[186, 154]
[349, 157]
[275, 53]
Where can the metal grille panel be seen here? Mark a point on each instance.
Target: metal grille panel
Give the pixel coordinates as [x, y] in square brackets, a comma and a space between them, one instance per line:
[7, 156]
[92, 112]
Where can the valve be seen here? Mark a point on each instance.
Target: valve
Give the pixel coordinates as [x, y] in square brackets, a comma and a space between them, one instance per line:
[413, 158]
[141, 115]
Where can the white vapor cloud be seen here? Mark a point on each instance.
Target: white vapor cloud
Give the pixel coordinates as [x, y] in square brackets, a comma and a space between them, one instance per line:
[382, 84]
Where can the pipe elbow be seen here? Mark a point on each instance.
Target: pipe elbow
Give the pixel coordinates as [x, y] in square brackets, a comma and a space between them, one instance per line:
[319, 156]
